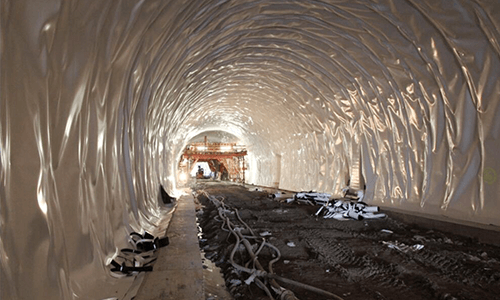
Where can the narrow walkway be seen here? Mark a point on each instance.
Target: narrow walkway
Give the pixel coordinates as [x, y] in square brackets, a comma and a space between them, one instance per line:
[178, 272]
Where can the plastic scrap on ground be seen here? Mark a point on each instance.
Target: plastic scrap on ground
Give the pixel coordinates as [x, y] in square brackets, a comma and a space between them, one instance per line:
[310, 198]
[403, 247]
[339, 209]
[349, 207]
[139, 259]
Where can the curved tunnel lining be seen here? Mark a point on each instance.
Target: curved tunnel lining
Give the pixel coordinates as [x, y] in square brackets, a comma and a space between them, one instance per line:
[98, 99]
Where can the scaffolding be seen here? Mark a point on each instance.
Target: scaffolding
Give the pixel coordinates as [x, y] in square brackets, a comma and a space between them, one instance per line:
[226, 160]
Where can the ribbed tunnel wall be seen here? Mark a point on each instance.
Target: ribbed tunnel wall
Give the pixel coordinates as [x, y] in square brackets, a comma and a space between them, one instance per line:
[98, 98]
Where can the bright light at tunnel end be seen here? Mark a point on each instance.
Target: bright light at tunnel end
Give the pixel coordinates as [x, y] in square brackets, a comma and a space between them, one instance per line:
[183, 177]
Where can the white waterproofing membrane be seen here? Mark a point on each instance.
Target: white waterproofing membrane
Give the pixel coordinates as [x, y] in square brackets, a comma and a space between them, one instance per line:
[98, 99]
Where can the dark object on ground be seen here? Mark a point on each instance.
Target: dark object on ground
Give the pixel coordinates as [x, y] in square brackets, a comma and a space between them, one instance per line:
[139, 259]
[128, 270]
[165, 197]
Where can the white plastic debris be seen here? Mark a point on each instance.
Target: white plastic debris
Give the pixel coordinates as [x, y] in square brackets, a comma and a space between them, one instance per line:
[340, 209]
[276, 195]
[417, 247]
[351, 213]
[386, 231]
[313, 197]
[265, 233]
[373, 216]
[319, 210]
[403, 247]
[371, 209]
[290, 244]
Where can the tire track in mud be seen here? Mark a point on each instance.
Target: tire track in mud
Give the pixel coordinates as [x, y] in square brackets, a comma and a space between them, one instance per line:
[351, 266]
[437, 273]
[391, 272]
[377, 277]
[454, 269]
[358, 264]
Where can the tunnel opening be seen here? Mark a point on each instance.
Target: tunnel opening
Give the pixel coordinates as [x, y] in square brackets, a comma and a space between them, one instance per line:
[213, 160]
[206, 170]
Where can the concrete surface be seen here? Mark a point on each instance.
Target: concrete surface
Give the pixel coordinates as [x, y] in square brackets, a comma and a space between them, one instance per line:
[178, 272]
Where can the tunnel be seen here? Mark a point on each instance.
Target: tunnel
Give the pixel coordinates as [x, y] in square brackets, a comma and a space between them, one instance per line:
[99, 99]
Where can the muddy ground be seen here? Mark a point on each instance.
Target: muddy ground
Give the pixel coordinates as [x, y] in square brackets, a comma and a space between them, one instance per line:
[348, 258]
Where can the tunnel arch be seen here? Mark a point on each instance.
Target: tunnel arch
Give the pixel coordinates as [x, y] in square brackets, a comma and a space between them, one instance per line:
[99, 98]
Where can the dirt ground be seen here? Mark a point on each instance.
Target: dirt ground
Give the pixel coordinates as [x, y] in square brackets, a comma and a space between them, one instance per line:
[351, 259]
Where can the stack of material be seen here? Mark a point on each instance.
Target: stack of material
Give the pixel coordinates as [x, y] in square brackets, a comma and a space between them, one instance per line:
[311, 198]
[344, 210]
[339, 209]
[139, 259]
[402, 247]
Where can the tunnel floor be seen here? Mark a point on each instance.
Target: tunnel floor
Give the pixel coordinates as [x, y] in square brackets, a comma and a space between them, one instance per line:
[368, 259]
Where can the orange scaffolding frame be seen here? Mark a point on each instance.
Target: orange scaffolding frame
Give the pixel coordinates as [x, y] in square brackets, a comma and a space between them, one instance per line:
[229, 156]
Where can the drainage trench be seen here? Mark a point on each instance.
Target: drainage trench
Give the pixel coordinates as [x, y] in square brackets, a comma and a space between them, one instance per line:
[213, 280]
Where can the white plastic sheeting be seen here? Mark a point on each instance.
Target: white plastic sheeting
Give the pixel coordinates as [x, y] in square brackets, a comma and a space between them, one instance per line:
[98, 99]
[215, 137]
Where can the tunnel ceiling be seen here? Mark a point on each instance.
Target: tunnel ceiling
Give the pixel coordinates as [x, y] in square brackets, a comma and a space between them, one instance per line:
[215, 137]
[405, 85]
[100, 97]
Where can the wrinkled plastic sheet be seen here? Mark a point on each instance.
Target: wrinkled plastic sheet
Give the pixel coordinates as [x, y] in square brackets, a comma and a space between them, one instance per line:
[99, 98]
